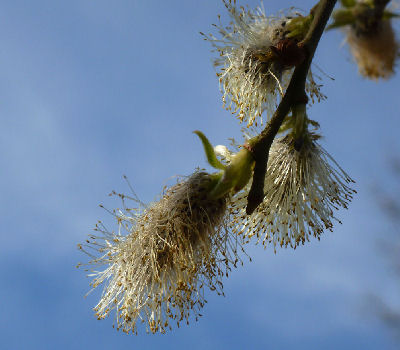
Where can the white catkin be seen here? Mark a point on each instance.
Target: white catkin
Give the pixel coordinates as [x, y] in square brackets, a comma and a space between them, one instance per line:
[375, 53]
[302, 191]
[250, 84]
[156, 267]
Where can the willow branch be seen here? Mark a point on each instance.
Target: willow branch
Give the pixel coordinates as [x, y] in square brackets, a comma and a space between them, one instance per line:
[379, 6]
[295, 94]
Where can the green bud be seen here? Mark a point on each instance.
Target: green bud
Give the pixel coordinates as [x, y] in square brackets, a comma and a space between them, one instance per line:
[298, 27]
[236, 175]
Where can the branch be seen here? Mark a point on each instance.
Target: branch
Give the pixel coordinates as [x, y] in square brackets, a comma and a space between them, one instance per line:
[379, 6]
[295, 94]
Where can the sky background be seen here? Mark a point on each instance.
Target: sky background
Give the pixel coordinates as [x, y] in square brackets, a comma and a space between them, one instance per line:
[92, 90]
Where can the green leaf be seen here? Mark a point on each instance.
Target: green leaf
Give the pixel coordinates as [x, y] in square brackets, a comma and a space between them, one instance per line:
[209, 151]
[298, 27]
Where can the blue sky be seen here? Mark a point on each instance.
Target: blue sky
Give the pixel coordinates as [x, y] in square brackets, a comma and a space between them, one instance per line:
[92, 90]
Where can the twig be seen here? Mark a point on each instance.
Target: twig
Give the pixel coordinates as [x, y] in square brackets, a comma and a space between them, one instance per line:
[379, 6]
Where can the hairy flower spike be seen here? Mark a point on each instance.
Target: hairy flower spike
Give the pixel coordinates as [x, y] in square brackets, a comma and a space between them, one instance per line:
[302, 190]
[369, 33]
[375, 52]
[257, 54]
[156, 267]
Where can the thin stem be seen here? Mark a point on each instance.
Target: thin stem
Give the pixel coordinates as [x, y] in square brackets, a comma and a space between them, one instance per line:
[295, 94]
[379, 6]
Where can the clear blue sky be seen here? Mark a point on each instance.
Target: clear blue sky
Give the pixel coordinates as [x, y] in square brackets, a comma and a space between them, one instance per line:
[91, 90]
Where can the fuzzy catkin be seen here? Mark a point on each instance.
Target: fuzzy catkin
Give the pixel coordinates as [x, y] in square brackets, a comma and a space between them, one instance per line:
[251, 82]
[155, 269]
[375, 52]
[302, 191]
